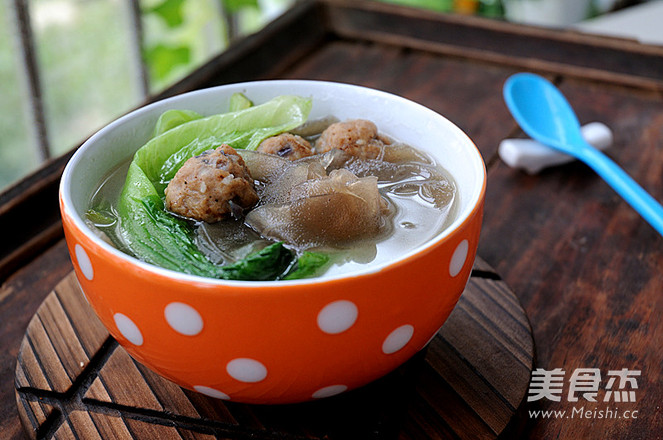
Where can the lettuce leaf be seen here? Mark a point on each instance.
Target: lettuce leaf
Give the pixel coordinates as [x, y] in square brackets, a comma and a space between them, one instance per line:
[238, 101]
[148, 231]
[269, 263]
[172, 118]
[308, 265]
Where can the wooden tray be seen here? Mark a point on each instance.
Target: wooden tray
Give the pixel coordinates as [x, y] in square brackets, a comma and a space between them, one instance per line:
[73, 381]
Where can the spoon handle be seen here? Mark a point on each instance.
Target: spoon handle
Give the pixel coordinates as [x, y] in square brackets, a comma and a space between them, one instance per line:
[625, 186]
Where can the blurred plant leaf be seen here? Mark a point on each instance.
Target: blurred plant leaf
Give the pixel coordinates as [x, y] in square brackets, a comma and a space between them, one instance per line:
[163, 59]
[170, 11]
[433, 5]
[233, 6]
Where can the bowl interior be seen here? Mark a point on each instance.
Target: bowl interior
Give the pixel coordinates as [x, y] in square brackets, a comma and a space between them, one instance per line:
[395, 116]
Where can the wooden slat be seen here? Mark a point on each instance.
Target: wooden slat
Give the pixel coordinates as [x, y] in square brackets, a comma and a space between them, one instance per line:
[64, 432]
[82, 425]
[507, 328]
[31, 233]
[32, 413]
[140, 429]
[29, 373]
[424, 423]
[567, 52]
[498, 371]
[468, 383]
[62, 336]
[175, 399]
[109, 426]
[44, 359]
[90, 337]
[451, 412]
[172, 398]
[208, 409]
[125, 384]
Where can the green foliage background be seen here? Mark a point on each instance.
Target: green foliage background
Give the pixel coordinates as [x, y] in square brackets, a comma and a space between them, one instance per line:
[89, 75]
[90, 67]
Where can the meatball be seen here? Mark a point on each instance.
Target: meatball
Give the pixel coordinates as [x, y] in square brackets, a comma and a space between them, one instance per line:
[357, 137]
[286, 145]
[207, 185]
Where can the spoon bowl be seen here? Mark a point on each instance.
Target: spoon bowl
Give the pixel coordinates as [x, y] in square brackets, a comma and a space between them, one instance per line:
[542, 111]
[544, 114]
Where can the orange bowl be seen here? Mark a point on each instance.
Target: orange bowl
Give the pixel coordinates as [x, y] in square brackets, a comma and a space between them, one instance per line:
[278, 341]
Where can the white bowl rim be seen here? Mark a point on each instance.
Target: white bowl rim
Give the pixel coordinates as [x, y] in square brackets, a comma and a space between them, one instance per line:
[461, 217]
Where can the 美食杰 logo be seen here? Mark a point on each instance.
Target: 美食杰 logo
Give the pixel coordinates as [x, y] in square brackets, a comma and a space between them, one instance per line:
[585, 385]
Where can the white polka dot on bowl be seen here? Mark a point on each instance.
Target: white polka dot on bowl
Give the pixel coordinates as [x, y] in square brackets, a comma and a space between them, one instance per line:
[183, 318]
[246, 370]
[329, 391]
[211, 392]
[128, 329]
[458, 258]
[397, 339]
[83, 261]
[338, 316]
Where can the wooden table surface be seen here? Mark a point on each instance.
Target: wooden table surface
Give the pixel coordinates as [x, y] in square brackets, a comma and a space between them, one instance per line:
[586, 267]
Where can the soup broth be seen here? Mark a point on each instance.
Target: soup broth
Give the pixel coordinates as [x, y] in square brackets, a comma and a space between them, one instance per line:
[420, 209]
[417, 200]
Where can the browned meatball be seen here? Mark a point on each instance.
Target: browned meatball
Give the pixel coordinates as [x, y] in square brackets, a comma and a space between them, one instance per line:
[357, 137]
[286, 145]
[205, 185]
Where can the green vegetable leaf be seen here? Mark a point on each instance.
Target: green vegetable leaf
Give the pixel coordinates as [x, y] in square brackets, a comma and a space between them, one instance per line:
[177, 159]
[162, 156]
[105, 220]
[239, 102]
[172, 118]
[100, 218]
[173, 247]
[242, 129]
[148, 231]
[269, 263]
[309, 264]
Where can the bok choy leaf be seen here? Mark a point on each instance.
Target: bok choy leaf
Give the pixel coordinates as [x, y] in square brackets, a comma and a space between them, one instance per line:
[148, 231]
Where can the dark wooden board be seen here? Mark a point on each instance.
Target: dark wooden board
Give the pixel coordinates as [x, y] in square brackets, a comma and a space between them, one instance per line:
[586, 268]
[595, 295]
[74, 381]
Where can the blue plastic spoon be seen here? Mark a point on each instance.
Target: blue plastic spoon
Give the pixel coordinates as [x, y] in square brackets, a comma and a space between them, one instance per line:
[545, 115]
